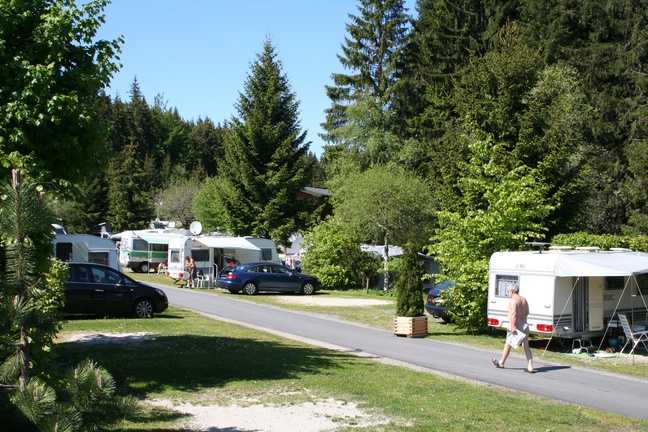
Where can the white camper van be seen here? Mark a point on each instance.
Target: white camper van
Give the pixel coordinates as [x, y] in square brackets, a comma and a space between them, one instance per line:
[86, 248]
[141, 250]
[212, 253]
[571, 293]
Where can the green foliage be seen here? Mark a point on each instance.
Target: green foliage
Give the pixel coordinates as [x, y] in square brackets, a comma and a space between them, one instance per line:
[87, 401]
[502, 209]
[409, 288]
[333, 255]
[129, 191]
[266, 163]
[175, 202]
[371, 53]
[639, 243]
[582, 239]
[52, 70]
[602, 241]
[385, 203]
[31, 309]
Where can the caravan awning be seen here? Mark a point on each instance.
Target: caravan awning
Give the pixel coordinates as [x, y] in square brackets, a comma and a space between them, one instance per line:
[227, 243]
[601, 264]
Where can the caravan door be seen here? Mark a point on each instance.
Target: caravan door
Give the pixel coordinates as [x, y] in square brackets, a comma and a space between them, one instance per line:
[587, 305]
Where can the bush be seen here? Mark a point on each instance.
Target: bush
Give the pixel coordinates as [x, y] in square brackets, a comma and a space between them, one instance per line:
[409, 288]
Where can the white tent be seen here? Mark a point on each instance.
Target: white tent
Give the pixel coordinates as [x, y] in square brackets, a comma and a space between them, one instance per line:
[227, 243]
[601, 264]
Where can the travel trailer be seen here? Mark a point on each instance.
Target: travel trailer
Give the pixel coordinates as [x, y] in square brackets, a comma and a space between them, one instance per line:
[141, 250]
[212, 253]
[572, 294]
[86, 248]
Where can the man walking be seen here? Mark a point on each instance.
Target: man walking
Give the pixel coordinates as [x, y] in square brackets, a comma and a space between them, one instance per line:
[518, 311]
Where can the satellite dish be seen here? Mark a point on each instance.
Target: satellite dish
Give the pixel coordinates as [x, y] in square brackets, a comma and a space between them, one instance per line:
[195, 227]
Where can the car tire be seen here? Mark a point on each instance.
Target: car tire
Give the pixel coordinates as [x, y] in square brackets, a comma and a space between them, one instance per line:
[144, 267]
[250, 288]
[308, 288]
[144, 309]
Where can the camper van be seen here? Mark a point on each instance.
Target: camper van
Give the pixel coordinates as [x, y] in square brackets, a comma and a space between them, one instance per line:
[141, 250]
[86, 248]
[571, 293]
[212, 253]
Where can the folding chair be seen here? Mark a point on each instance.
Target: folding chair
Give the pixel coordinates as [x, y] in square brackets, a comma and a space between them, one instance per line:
[633, 337]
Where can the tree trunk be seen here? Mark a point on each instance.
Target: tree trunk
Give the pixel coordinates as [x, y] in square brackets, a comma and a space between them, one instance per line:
[385, 261]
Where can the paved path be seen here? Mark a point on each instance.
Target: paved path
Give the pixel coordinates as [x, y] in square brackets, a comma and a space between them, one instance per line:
[608, 392]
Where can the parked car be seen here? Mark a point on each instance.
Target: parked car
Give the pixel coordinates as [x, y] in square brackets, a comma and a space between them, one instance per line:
[435, 304]
[263, 276]
[99, 289]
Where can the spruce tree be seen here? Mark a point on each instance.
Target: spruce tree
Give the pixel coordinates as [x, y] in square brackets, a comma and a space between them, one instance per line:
[266, 163]
[371, 53]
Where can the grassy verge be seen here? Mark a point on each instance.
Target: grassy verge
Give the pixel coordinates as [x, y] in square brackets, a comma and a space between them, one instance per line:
[380, 316]
[190, 358]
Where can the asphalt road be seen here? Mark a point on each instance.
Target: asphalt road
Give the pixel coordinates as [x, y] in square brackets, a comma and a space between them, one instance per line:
[608, 392]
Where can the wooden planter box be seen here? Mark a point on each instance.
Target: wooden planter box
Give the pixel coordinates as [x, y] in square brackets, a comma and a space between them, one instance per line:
[411, 326]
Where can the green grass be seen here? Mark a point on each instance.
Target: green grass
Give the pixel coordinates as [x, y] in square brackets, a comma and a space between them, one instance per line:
[196, 359]
[381, 317]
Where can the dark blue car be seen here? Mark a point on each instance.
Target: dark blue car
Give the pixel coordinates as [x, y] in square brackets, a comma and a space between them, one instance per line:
[435, 304]
[98, 289]
[264, 276]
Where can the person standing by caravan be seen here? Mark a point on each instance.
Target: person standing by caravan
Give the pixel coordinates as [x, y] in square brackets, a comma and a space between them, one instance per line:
[518, 311]
[190, 267]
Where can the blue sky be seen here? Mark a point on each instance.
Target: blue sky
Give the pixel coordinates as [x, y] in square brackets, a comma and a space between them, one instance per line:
[197, 53]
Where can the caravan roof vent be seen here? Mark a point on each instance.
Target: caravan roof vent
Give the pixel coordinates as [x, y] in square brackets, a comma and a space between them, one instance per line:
[588, 248]
[560, 248]
[620, 250]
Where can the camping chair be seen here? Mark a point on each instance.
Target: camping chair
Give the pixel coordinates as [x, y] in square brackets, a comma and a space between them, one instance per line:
[633, 337]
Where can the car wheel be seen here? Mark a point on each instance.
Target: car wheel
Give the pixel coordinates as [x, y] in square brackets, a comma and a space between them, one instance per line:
[250, 288]
[144, 267]
[144, 309]
[308, 288]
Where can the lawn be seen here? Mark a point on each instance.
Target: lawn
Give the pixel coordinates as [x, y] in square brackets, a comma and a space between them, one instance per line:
[380, 316]
[187, 359]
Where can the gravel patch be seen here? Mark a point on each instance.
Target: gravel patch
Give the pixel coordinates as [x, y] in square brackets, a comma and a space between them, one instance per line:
[319, 416]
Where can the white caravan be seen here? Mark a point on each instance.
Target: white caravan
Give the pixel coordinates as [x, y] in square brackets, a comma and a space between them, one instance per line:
[572, 294]
[212, 253]
[86, 248]
[141, 250]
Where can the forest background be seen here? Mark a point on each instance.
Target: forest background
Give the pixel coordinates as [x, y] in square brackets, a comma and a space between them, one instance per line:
[465, 128]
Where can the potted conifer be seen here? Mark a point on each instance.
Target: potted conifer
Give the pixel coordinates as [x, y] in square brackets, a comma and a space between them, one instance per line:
[410, 319]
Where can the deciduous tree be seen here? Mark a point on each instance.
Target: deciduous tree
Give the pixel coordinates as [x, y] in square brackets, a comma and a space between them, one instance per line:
[51, 72]
[386, 205]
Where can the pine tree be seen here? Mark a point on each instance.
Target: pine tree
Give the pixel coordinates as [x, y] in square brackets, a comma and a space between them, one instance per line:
[444, 36]
[129, 191]
[266, 162]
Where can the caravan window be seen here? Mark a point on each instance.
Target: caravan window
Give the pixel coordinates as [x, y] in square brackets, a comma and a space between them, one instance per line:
[139, 244]
[614, 282]
[200, 255]
[159, 247]
[642, 281]
[98, 257]
[175, 256]
[502, 283]
[266, 254]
